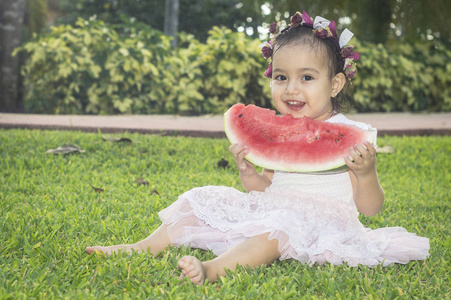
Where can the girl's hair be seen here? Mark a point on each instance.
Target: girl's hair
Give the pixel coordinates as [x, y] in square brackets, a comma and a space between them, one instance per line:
[302, 35]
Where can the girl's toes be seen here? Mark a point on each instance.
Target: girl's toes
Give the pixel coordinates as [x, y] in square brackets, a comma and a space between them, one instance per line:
[197, 280]
[185, 261]
[193, 268]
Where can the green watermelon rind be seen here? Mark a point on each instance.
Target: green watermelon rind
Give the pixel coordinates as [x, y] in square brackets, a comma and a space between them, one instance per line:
[335, 166]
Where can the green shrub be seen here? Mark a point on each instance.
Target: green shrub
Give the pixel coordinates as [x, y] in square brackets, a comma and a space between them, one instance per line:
[232, 70]
[98, 68]
[131, 68]
[92, 69]
[202, 78]
[403, 77]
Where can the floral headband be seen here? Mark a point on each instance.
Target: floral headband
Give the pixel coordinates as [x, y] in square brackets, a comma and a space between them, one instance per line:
[323, 29]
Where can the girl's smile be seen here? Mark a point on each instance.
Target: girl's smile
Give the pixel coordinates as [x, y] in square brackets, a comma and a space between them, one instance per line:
[301, 84]
[294, 105]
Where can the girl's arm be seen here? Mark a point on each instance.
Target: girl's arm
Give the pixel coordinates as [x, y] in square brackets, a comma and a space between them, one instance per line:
[368, 194]
[250, 178]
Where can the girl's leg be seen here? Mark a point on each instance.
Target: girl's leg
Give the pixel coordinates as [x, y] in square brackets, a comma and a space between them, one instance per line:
[253, 252]
[155, 243]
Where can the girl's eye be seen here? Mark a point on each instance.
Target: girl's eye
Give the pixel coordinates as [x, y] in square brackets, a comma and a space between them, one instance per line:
[307, 78]
[280, 77]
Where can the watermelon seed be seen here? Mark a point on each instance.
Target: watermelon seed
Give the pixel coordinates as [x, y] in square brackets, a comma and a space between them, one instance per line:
[240, 115]
[339, 137]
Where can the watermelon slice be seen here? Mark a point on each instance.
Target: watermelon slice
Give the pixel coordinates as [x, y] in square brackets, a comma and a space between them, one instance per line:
[291, 144]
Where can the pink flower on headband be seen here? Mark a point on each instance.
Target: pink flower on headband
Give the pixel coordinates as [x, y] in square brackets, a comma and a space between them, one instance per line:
[329, 31]
[324, 28]
[268, 73]
[267, 51]
[306, 19]
[274, 28]
[333, 28]
[347, 52]
[350, 70]
[321, 33]
[296, 19]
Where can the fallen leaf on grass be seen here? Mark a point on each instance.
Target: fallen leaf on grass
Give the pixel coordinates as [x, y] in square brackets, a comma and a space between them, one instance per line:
[223, 163]
[66, 149]
[117, 140]
[154, 191]
[385, 149]
[98, 190]
[141, 181]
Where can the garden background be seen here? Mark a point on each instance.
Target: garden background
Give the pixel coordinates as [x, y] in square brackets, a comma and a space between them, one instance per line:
[111, 56]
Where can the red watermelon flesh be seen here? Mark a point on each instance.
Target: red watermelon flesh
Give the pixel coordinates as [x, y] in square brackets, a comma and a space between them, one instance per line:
[291, 144]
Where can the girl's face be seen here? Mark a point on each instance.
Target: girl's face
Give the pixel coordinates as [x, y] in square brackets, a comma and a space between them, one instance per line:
[301, 83]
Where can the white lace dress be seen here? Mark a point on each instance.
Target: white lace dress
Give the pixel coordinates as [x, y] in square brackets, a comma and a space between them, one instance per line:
[313, 217]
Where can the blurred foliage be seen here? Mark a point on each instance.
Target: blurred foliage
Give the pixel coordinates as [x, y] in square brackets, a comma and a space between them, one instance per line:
[98, 68]
[36, 16]
[372, 21]
[403, 77]
[196, 17]
[229, 69]
[94, 67]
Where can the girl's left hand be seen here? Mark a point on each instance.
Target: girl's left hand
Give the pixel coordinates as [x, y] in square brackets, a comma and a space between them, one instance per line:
[363, 159]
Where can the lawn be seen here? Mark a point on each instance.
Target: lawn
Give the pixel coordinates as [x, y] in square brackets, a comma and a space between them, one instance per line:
[49, 213]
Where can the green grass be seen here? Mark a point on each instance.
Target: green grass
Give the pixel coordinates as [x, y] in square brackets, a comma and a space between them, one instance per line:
[49, 214]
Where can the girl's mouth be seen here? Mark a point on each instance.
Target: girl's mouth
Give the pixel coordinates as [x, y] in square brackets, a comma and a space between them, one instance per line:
[294, 105]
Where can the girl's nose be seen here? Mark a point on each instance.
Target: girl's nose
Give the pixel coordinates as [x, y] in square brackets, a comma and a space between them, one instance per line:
[292, 88]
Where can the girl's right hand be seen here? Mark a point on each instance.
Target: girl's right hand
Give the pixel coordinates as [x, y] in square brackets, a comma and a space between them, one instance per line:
[239, 152]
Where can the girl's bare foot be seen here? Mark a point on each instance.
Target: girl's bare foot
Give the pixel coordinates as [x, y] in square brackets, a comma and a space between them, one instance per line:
[109, 250]
[194, 269]
[155, 243]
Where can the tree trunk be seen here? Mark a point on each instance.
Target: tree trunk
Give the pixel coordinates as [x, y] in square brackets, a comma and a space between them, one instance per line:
[171, 20]
[11, 21]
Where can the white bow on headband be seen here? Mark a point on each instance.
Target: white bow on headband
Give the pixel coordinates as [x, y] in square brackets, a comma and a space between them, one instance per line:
[345, 36]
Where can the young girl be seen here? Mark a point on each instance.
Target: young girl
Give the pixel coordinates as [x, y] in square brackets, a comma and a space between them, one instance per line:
[309, 217]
